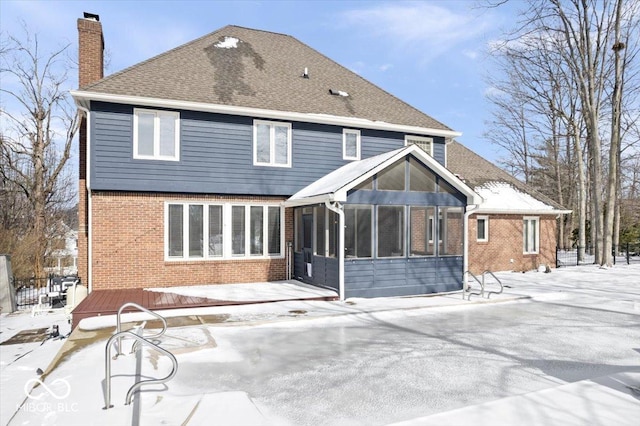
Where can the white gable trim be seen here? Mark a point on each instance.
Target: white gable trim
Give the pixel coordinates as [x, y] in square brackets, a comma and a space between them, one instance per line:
[340, 193]
[83, 98]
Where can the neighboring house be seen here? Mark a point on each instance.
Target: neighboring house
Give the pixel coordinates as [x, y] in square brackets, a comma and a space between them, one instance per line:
[515, 226]
[247, 156]
[65, 251]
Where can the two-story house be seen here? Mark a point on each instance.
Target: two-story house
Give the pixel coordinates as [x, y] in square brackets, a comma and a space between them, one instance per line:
[247, 156]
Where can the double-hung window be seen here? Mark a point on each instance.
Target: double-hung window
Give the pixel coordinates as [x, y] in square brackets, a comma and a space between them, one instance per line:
[350, 144]
[271, 143]
[222, 231]
[156, 135]
[530, 235]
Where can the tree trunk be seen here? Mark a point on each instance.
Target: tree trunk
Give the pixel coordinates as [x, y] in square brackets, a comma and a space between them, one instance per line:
[614, 147]
[582, 195]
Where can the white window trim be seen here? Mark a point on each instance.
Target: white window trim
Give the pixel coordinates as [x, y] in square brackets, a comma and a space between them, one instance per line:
[345, 132]
[409, 138]
[156, 135]
[272, 143]
[227, 232]
[486, 229]
[536, 220]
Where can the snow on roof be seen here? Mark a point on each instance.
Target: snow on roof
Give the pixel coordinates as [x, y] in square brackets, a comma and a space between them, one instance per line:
[228, 43]
[504, 197]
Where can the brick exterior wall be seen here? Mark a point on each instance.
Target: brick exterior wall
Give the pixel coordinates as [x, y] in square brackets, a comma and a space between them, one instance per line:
[505, 245]
[128, 245]
[90, 69]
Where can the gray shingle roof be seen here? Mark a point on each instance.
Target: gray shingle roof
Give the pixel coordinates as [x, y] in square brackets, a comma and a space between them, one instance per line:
[264, 71]
[477, 172]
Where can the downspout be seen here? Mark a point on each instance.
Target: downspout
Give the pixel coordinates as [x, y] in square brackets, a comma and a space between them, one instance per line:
[337, 209]
[465, 260]
[89, 204]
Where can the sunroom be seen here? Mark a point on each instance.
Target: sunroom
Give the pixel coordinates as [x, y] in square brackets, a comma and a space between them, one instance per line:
[389, 225]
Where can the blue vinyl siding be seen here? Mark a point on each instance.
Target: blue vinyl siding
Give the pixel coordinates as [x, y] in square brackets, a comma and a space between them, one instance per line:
[216, 155]
[385, 277]
[325, 271]
[402, 277]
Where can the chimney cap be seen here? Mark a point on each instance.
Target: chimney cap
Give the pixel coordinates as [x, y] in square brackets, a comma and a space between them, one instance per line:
[91, 16]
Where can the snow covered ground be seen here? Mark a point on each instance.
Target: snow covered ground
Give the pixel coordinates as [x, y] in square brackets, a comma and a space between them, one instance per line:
[558, 348]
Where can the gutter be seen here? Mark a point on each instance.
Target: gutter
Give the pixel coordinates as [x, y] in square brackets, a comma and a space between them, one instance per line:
[83, 97]
[337, 208]
[523, 212]
[465, 242]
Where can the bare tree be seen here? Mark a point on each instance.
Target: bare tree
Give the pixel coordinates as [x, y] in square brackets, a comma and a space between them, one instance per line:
[562, 45]
[38, 126]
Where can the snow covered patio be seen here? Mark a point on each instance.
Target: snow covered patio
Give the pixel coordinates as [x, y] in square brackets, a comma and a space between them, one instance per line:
[555, 349]
[107, 302]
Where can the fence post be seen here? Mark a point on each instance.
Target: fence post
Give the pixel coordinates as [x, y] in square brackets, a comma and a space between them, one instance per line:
[613, 249]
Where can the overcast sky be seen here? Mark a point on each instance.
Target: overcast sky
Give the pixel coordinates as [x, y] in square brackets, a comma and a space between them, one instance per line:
[431, 54]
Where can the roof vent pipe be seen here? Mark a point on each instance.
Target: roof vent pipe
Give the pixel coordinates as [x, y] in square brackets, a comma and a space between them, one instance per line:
[306, 73]
[338, 93]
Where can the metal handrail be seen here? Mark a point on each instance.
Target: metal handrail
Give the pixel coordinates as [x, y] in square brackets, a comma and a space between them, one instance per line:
[137, 385]
[481, 294]
[495, 278]
[143, 309]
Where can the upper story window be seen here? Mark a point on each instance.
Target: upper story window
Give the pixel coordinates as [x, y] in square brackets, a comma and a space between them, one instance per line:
[271, 143]
[156, 135]
[423, 142]
[350, 144]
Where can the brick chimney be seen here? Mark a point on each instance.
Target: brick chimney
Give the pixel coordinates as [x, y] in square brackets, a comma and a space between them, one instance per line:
[90, 70]
[90, 49]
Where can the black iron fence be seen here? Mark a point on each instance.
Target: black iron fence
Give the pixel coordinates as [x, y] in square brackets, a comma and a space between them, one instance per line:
[623, 254]
[28, 290]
